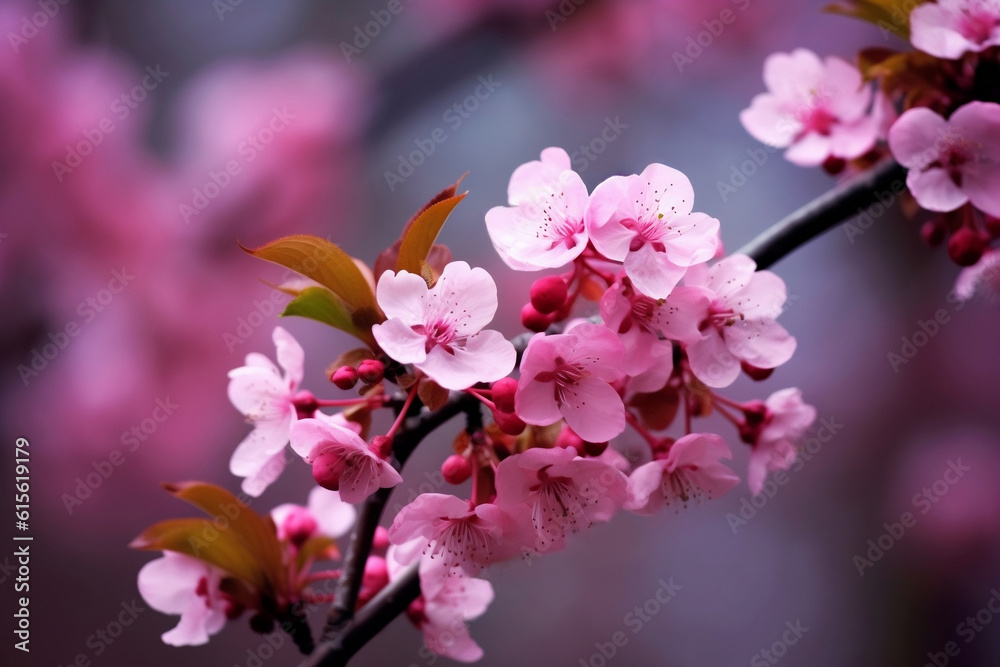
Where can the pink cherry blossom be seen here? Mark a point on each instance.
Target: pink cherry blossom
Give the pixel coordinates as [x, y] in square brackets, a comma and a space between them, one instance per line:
[351, 466]
[817, 109]
[645, 221]
[951, 161]
[983, 274]
[266, 397]
[951, 28]
[440, 329]
[543, 226]
[647, 326]
[739, 323]
[326, 513]
[447, 600]
[447, 530]
[180, 584]
[569, 376]
[566, 493]
[786, 419]
[691, 470]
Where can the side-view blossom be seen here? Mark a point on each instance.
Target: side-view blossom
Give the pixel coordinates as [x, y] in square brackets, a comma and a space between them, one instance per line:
[951, 28]
[815, 108]
[565, 493]
[691, 470]
[569, 376]
[440, 329]
[180, 584]
[543, 226]
[951, 161]
[447, 530]
[785, 419]
[739, 322]
[325, 513]
[645, 222]
[447, 600]
[267, 398]
[341, 460]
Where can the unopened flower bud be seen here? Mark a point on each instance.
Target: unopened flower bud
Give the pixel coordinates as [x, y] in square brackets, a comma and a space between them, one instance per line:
[509, 423]
[299, 525]
[456, 469]
[344, 377]
[933, 231]
[503, 394]
[371, 371]
[966, 246]
[756, 373]
[380, 542]
[992, 225]
[548, 294]
[327, 469]
[534, 320]
[568, 438]
[374, 579]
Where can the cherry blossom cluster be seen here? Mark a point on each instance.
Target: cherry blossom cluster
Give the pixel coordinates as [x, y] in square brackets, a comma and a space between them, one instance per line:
[639, 319]
[935, 109]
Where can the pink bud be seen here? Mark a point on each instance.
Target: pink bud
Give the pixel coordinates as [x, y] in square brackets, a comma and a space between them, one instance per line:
[966, 246]
[509, 423]
[992, 225]
[299, 526]
[344, 377]
[371, 371]
[456, 469]
[548, 294]
[534, 320]
[327, 469]
[380, 542]
[568, 438]
[503, 394]
[932, 232]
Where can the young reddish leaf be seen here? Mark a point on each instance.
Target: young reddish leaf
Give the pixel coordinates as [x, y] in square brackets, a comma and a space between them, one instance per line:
[657, 409]
[325, 263]
[204, 540]
[891, 15]
[591, 290]
[318, 547]
[416, 242]
[257, 533]
[432, 394]
[389, 258]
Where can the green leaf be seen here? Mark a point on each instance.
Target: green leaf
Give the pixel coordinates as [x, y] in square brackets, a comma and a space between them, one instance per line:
[322, 305]
[420, 235]
[231, 516]
[201, 539]
[328, 265]
[891, 15]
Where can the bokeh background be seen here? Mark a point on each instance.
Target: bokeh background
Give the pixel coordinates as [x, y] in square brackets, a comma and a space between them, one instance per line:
[153, 98]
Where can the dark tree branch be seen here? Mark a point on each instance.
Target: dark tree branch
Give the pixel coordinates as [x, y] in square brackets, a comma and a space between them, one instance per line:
[341, 636]
[825, 212]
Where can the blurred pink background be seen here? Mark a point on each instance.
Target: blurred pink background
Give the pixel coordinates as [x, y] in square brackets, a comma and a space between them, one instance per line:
[140, 141]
